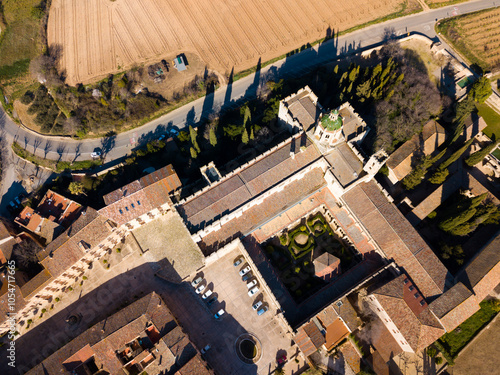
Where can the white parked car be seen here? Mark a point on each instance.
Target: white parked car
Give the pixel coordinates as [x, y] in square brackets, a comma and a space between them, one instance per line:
[207, 294]
[257, 305]
[253, 291]
[196, 281]
[245, 270]
[200, 289]
[219, 314]
[95, 154]
[251, 284]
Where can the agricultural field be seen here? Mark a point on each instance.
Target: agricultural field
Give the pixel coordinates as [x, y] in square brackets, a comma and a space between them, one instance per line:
[476, 36]
[98, 37]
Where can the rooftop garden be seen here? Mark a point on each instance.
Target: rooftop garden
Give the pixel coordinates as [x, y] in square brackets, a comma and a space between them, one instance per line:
[292, 254]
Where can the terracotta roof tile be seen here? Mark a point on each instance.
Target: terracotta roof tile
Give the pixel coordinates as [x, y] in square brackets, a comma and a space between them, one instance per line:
[231, 193]
[397, 238]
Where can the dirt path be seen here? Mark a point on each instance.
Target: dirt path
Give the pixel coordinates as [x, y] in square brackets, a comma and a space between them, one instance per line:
[424, 5]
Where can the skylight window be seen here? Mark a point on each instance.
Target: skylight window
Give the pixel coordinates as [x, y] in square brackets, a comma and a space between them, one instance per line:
[138, 203]
[422, 303]
[126, 208]
[120, 211]
[406, 281]
[416, 295]
[411, 287]
[132, 205]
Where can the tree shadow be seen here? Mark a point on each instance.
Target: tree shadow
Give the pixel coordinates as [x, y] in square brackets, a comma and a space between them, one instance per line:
[107, 143]
[47, 148]
[60, 151]
[77, 152]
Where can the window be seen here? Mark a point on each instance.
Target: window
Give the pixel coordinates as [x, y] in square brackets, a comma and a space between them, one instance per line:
[402, 342]
[120, 211]
[327, 136]
[378, 309]
[411, 287]
[138, 203]
[126, 208]
[422, 303]
[132, 205]
[416, 295]
[394, 331]
[406, 281]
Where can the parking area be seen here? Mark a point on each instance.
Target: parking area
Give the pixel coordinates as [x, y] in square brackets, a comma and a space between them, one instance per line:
[222, 278]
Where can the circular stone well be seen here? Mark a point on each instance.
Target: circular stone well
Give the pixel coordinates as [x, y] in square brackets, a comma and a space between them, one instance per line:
[248, 348]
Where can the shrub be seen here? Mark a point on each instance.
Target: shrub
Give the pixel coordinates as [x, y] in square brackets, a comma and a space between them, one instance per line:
[478, 156]
[27, 98]
[303, 228]
[57, 299]
[481, 90]
[44, 311]
[432, 215]
[84, 277]
[104, 261]
[284, 239]
[296, 269]
[118, 250]
[70, 288]
[431, 351]
[438, 360]
[29, 321]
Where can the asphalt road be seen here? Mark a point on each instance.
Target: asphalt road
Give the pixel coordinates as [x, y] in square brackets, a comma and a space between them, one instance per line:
[68, 149]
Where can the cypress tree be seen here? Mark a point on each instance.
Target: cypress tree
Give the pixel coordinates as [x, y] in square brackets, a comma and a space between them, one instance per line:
[479, 155]
[452, 222]
[454, 157]
[213, 137]
[244, 137]
[439, 176]
[193, 133]
[251, 134]
[194, 154]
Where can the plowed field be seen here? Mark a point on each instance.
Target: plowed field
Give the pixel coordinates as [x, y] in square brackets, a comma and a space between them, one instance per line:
[477, 36]
[99, 37]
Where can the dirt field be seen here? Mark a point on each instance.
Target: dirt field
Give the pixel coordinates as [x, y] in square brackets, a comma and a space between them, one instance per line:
[481, 357]
[100, 36]
[477, 36]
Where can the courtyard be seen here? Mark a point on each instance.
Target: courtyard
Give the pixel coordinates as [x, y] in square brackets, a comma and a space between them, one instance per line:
[298, 255]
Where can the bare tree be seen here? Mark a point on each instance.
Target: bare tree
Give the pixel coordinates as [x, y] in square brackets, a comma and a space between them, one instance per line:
[25, 253]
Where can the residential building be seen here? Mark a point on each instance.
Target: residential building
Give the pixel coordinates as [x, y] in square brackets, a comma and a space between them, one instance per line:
[143, 337]
[403, 160]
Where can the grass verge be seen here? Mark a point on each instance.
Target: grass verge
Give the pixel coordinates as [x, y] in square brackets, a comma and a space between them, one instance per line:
[434, 5]
[56, 166]
[492, 119]
[453, 342]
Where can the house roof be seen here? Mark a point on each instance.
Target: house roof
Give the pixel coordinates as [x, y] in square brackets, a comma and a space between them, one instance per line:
[166, 174]
[309, 338]
[35, 284]
[230, 193]
[416, 142]
[402, 302]
[479, 266]
[64, 251]
[397, 238]
[450, 299]
[335, 332]
[352, 123]
[302, 108]
[109, 335]
[345, 165]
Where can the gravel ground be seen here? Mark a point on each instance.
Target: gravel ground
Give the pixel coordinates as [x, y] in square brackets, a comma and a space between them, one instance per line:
[173, 245]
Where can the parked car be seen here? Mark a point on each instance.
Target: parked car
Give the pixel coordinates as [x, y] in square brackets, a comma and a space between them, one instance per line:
[262, 311]
[257, 305]
[95, 154]
[172, 133]
[253, 292]
[201, 288]
[17, 201]
[205, 349]
[245, 270]
[219, 314]
[161, 137]
[211, 301]
[207, 294]
[196, 281]
[238, 262]
[247, 276]
[251, 284]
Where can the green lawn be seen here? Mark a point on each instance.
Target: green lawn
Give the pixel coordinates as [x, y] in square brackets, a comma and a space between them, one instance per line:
[491, 118]
[456, 340]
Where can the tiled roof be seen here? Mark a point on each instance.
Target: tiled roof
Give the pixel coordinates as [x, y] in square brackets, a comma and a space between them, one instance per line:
[397, 238]
[110, 334]
[450, 299]
[309, 338]
[271, 206]
[35, 284]
[345, 165]
[383, 341]
[479, 267]
[352, 124]
[324, 261]
[166, 174]
[347, 313]
[62, 253]
[231, 193]
[196, 366]
[302, 108]
[415, 322]
[407, 148]
[335, 332]
[4, 302]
